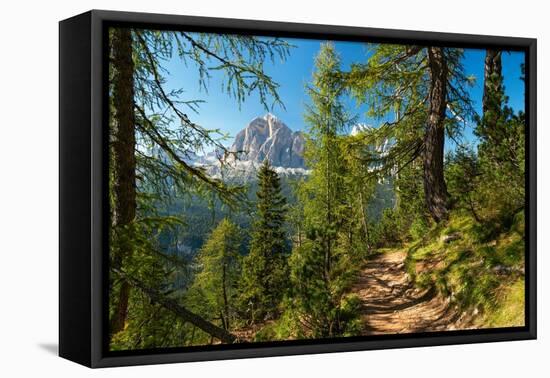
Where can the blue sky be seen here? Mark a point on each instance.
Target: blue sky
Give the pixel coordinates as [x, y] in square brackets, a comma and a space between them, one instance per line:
[221, 111]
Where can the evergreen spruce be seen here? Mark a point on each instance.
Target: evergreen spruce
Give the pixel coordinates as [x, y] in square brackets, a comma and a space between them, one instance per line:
[265, 267]
[501, 151]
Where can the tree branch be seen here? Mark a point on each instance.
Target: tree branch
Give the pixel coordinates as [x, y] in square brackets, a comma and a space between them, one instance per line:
[155, 136]
[173, 306]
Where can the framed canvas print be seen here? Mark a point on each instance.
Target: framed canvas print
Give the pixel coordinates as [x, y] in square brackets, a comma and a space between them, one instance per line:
[233, 188]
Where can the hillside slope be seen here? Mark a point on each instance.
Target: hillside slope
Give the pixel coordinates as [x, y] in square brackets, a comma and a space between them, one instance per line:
[484, 275]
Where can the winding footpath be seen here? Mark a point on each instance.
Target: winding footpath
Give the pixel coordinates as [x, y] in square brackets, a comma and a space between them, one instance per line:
[392, 304]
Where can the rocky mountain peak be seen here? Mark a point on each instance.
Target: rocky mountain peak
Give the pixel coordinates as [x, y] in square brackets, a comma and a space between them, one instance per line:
[268, 137]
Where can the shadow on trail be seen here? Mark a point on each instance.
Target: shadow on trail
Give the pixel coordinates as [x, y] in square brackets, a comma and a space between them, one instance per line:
[392, 304]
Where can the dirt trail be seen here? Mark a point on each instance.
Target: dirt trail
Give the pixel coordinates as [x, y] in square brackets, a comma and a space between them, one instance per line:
[392, 304]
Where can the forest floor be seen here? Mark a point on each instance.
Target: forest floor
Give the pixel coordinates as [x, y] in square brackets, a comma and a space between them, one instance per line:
[391, 303]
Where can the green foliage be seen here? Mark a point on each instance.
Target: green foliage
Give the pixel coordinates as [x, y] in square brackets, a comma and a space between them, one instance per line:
[265, 268]
[394, 82]
[216, 282]
[502, 161]
[410, 194]
[474, 273]
[323, 264]
[463, 173]
[364, 194]
[283, 328]
[253, 282]
[146, 324]
[164, 137]
[419, 228]
[319, 299]
[501, 154]
[387, 230]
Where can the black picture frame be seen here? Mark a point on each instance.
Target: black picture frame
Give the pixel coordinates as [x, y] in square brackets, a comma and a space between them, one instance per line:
[83, 189]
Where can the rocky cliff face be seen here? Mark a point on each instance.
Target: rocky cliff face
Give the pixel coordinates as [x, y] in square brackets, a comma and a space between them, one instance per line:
[263, 138]
[269, 138]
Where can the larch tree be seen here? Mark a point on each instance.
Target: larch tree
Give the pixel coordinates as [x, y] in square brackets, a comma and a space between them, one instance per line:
[151, 136]
[361, 188]
[219, 260]
[435, 189]
[123, 163]
[322, 265]
[493, 90]
[425, 89]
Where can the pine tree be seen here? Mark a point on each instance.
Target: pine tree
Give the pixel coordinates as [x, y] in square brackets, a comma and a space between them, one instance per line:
[265, 267]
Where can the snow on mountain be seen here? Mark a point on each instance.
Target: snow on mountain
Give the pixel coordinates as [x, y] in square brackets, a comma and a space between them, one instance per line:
[263, 138]
[268, 137]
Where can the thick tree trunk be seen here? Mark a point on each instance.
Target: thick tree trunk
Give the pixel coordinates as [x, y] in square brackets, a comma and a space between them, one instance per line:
[435, 189]
[123, 163]
[492, 87]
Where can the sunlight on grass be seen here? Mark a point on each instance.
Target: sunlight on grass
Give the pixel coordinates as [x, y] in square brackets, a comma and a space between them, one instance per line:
[510, 311]
[481, 277]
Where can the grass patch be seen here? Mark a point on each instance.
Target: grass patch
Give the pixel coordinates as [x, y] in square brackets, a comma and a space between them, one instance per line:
[479, 268]
[511, 311]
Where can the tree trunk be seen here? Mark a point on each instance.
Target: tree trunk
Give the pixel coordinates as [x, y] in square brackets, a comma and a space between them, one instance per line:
[123, 163]
[435, 189]
[328, 198]
[364, 222]
[492, 88]
[225, 301]
[182, 312]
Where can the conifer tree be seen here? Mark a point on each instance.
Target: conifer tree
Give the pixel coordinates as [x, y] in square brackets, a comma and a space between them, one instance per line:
[501, 150]
[216, 282]
[322, 266]
[265, 267]
[150, 136]
[425, 88]
[123, 165]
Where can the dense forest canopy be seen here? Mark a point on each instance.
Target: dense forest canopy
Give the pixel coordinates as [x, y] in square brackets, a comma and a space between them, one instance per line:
[425, 207]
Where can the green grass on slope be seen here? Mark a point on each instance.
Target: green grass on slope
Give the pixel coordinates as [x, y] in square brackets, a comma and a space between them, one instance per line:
[482, 276]
[511, 312]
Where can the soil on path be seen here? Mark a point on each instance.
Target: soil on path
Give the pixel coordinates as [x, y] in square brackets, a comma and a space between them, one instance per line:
[392, 304]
